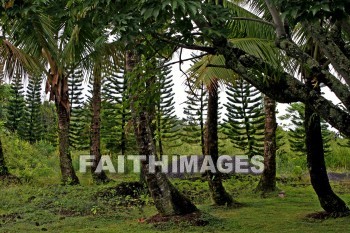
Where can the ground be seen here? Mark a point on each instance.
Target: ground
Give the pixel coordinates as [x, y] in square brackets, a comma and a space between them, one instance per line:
[88, 208]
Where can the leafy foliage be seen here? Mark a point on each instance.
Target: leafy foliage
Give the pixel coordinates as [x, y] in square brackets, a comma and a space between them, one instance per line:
[77, 120]
[245, 118]
[167, 125]
[33, 124]
[315, 9]
[49, 121]
[16, 106]
[116, 132]
[296, 115]
[195, 111]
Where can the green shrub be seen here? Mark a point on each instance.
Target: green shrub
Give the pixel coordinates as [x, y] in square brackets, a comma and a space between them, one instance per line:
[30, 162]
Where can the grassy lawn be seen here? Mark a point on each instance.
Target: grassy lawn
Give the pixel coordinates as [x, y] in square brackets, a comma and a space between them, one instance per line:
[53, 208]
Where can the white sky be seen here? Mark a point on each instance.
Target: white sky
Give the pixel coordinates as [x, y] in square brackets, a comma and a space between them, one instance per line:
[180, 95]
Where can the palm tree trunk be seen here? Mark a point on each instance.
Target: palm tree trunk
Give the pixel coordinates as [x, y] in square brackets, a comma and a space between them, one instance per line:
[202, 120]
[217, 190]
[58, 87]
[123, 135]
[168, 200]
[329, 201]
[268, 179]
[95, 130]
[159, 130]
[67, 170]
[3, 169]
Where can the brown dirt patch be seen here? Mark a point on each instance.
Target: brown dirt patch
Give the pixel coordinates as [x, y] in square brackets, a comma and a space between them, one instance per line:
[326, 215]
[194, 219]
[9, 179]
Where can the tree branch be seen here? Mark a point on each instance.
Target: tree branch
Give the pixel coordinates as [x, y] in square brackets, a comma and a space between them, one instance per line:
[339, 61]
[284, 87]
[182, 60]
[209, 50]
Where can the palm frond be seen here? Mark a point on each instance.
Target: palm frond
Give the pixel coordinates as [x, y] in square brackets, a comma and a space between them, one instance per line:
[208, 69]
[14, 60]
[262, 48]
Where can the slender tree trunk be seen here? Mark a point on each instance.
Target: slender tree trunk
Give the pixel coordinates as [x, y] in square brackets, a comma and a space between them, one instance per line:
[168, 200]
[159, 130]
[95, 130]
[160, 143]
[202, 120]
[268, 179]
[124, 121]
[217, 190]
[123, 136]
[67, 170]
[3, 169]
[58, 87]
[329, 201]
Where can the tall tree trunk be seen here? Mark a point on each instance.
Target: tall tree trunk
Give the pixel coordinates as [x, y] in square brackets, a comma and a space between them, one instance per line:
[268, 179]
[95, 129]
[160, 142]
[3, 168]
[217, 190]
[123, 139]
[168, 200]
[202, 119]
[124, 114]
[67, 171]
[57, 85]
[329, 201]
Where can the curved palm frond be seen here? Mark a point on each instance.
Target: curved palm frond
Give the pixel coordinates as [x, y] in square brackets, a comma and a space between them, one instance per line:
[14, 60]
[208, 69]
[247, 24]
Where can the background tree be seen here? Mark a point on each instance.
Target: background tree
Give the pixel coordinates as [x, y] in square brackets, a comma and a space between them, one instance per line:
[33, 125]
[76, 98]
[95, 128]
[167, 125]
[244, 121]
[5, 96]
[296, 115]
[116, 112]
[49, 122]
[195, 111]
[16, 106]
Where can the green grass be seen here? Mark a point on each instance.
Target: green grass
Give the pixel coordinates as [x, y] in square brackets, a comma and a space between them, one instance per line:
[35, 208]
[41, 204]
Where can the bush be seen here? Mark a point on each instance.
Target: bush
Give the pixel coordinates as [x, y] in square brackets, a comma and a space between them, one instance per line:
[30, 162]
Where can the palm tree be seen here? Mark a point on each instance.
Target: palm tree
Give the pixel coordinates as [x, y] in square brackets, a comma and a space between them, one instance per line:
[56, 40]
[268, 178]
[95, 128]
[256, 39]
[217, 190]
